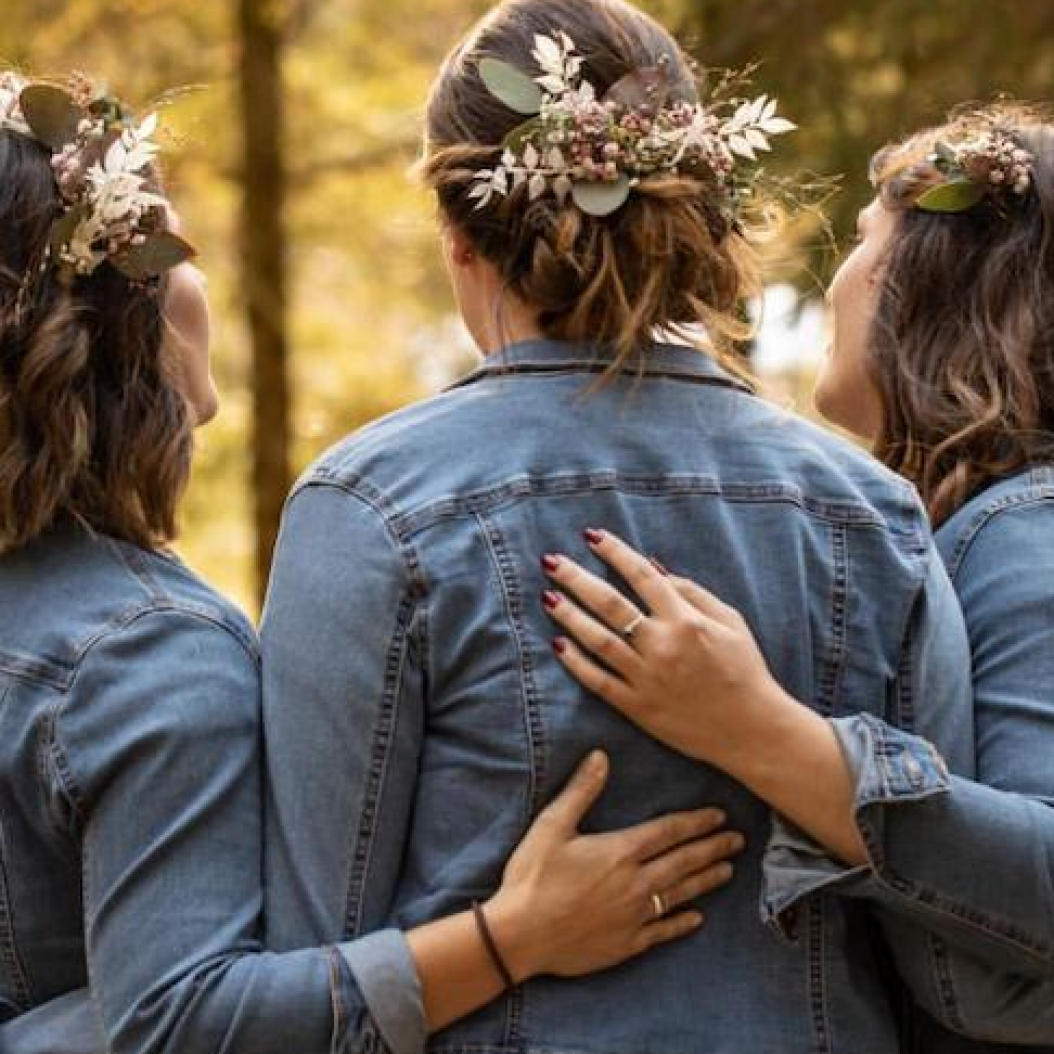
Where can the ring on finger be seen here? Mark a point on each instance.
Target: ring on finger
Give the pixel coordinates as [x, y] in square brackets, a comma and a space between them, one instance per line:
[633, 625]
[658, 905]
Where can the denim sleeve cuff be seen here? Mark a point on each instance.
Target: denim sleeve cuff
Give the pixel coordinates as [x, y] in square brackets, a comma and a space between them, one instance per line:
[386, 975]
[887, 767]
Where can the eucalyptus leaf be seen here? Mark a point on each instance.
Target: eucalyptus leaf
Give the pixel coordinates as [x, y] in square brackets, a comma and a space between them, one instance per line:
[62, 229]
[512, 87]
[159, 253]
[601, 199]
[650, 86]
[522, 134]
[957, 196]
[51, 114]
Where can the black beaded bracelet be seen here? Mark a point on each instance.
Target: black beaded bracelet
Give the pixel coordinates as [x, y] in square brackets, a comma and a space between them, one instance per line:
[492, 948]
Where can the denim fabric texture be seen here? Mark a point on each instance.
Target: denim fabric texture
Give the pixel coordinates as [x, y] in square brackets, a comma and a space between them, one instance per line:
[964, 869]
[417, 720]
[131, 826]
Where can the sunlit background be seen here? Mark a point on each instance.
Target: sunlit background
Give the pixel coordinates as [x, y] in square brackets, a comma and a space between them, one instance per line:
[368, 325]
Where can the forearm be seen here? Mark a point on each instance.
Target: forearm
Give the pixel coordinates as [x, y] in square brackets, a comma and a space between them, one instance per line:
[457, 971]
[790, 757]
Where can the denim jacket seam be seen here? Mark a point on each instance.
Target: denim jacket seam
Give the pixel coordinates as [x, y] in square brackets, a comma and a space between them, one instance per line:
[513, 602]
[413, 521]
[362, 490]
[59, 708]
[969, 534]
[36, 670]
[945, 983]
[361, 848]
[900, 711]
[134, 561]
[10, 956]
[833, 670]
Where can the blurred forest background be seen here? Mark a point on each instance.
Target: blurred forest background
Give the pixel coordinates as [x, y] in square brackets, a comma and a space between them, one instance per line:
[330, 302]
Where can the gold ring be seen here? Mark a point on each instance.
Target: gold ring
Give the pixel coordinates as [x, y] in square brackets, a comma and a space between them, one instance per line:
[658, 905]
[631, 628]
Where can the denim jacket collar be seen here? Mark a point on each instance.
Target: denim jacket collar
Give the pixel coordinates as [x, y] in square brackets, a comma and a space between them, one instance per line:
[675, 361]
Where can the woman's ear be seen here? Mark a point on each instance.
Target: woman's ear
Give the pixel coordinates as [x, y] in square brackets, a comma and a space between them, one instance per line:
[462, 251]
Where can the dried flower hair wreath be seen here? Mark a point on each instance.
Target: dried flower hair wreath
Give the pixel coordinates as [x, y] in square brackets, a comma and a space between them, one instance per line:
[101, 157]
[988, 166]
[595, 150]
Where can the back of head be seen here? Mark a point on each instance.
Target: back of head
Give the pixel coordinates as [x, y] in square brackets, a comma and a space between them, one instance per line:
[962, 346]
[670, 255]
[93, 426]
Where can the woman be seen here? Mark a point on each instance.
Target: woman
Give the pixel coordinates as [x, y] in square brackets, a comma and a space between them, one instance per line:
[130, 814]
[942, 358]
[415, 718]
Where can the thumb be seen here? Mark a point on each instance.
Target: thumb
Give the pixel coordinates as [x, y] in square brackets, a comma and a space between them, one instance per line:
[568, 809]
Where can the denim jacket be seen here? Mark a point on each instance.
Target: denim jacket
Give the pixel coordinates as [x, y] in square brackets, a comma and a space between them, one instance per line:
[131, 825]
[416, 718]
[965, 870]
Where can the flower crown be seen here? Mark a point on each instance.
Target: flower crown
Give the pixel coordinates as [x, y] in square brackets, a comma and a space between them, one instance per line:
[101, 159]
[596, 150]
[988, 166]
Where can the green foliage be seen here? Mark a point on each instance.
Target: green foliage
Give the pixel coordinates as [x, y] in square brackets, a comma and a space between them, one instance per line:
[371, 308]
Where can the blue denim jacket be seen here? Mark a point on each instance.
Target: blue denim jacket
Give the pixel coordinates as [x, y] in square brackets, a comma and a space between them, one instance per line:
[965, 870]
[131, 825]
[417, 720]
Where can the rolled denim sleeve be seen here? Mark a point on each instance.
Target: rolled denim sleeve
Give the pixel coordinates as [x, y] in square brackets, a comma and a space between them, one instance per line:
[963, 869]
[157, 754]
[343, 699]
[932, 689]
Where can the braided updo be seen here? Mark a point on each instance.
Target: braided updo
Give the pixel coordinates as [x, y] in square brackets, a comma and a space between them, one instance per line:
[669, 258]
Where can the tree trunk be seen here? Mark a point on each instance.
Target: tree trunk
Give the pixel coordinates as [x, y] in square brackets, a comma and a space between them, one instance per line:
[264, 279]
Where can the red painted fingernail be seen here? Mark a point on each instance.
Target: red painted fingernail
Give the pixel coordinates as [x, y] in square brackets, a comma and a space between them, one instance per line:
[560, 645]
[550, 562]
[593, 537]
[659, 567]
[550, 599]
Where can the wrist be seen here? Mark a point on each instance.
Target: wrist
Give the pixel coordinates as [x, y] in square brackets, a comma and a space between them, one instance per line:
[508, 919]
[767, 731]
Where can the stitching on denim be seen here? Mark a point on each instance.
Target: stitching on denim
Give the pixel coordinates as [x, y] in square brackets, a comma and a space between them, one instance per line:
[833, 672]
[940, 906]
[945, 982]
[135, 561]
[35, 670]
[361, 855]
[533, 726]
[1008, 503]
[668, 485]
[817, 968]
[10, 956]
[380, 755]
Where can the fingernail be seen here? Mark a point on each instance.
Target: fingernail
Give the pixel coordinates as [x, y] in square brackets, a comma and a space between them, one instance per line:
[738, 842]
[592, 536]
[550, 599]
[550, 562]
[658, 566]
[695, 919]
[725, 872]
[718, 817]
[560, 645]
[596, 761]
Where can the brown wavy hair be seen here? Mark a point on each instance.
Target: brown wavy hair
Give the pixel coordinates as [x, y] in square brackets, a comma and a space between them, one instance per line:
[668, 258]
[94, 428]
[962, 345]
